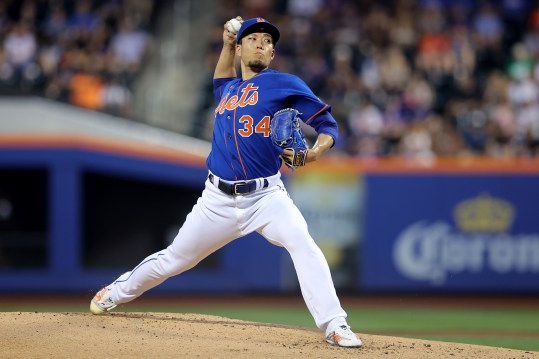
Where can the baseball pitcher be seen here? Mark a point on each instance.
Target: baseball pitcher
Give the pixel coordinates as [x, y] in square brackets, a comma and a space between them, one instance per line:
[256, 129]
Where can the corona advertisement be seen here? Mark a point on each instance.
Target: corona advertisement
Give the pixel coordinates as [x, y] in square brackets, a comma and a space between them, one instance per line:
[440, 233]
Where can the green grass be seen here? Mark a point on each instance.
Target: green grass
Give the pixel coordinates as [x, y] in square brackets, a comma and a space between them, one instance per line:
[511, 328]
[495, 320]
[515, 329]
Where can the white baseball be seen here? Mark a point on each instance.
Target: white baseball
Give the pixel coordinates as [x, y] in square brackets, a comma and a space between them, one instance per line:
[233, 25]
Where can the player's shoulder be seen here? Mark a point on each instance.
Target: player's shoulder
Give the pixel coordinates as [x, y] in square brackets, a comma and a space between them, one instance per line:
[278, 77]
[233, 81]
[222, 81]
[278, 74]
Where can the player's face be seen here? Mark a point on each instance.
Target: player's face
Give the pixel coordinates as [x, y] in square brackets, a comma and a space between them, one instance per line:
[256, 51]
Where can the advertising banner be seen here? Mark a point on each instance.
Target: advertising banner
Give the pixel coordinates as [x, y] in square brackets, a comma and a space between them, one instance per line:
[331, 202]
[451, 233]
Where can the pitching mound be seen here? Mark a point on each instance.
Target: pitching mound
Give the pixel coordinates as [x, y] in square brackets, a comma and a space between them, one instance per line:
[160, 335]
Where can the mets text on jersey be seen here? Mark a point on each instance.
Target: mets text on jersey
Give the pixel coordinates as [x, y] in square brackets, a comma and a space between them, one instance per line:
[249, 96]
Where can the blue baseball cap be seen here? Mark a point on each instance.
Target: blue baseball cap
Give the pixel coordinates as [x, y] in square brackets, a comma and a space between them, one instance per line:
[257, 24]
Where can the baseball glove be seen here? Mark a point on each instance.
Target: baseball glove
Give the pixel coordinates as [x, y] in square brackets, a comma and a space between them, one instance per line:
[286, 133]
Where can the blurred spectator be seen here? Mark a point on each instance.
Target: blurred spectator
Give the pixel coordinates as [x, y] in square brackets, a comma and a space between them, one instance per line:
[394, 69]
[87, 90]
[85, 85]
[501, 130]
[446, 142]
[116, 97]
[417, 143]
[523, 94]
[488, 30]
[394, 126]
[5, 20]
[366, 123]
[514, 13]
[19, 68]
[521, 64]
[83, 21]
[377, 27]
[417, 98]
[488, 25]
[127, 50]
[55, 25]
[472, 123]
[464, 58]
[307, 8]
[403, 32]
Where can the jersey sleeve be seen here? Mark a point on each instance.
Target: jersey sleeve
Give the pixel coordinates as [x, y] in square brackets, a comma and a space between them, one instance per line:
[326, 123]
[314, 112]
[219, 86]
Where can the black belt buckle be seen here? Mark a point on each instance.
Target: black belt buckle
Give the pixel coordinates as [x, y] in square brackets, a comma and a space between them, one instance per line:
[240, 185]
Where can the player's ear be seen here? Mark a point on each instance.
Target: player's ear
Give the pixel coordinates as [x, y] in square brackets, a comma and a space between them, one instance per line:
[272, 54]
[238, 49]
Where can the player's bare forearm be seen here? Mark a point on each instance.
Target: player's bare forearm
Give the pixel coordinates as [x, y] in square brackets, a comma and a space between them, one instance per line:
[226, 66]
[322, 145]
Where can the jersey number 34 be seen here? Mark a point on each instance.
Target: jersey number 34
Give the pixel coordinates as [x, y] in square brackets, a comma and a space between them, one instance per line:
[249, 128]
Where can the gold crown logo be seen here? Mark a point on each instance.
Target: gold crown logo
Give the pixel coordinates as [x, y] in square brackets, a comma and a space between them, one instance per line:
[484, 214]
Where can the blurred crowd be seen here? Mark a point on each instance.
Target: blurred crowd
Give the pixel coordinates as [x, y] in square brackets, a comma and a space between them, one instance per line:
[85, 52]
[414, 78]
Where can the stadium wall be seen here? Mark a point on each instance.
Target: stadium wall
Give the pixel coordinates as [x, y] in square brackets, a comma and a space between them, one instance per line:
[78, 208]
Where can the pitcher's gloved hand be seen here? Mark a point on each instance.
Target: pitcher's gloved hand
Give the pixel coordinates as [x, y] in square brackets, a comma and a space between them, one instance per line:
[286, 134]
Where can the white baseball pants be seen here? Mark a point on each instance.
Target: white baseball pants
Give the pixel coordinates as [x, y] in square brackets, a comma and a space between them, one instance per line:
[217, 219]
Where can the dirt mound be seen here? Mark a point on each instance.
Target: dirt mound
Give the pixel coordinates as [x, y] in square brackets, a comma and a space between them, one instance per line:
[160, 335]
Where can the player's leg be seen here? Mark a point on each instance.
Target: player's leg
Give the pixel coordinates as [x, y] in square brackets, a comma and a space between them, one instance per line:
[284, 225]
[287, 227]
[207, 228]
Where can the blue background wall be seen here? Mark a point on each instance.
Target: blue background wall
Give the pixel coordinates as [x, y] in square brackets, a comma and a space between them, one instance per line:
[410, 237]
[239, 266]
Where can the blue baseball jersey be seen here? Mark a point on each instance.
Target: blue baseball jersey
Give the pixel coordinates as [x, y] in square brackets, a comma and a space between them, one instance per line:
[241, 147]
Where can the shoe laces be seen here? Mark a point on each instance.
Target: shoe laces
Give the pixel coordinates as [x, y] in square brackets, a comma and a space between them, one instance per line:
[345, 329]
